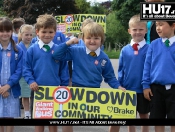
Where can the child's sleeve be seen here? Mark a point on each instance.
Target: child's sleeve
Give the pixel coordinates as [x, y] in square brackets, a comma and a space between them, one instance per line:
[15, 77]
[109, 75]
[120, 69]
[63, 38]
[28, 72]
[146, 81]
[62, 52]
[63, 73]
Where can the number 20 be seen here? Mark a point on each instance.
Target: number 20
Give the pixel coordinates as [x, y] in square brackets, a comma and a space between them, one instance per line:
[62, 94]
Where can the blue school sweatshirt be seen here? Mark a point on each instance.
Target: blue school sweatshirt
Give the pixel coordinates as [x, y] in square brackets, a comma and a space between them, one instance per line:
[16, 64]
[23, 47]
[159, 67]
[88, 71]
[41, 68]
[58, 38]
[131, 68]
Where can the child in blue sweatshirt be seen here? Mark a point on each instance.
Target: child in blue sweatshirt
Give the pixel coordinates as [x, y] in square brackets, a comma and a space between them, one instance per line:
[24, 38]
[159, 74]
[40, 68]
[91, 64]
[131, 63]
[11, 60]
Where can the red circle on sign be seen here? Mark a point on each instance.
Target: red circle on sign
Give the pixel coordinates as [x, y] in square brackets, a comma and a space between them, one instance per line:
[61, 95]
[69, 19]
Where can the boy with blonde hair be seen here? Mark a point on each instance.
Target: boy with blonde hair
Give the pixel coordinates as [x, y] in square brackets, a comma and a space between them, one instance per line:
[91, 64]
[131, 63]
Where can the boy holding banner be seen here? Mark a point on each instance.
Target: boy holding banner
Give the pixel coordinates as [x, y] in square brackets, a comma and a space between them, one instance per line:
[40, 68]
[90, 63]
[131, 63]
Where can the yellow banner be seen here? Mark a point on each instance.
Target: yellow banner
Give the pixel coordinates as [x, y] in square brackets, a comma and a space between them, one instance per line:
[83, 103]
[72, 23]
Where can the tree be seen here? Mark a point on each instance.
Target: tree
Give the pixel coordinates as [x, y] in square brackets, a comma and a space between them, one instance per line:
[82, 6]
[1, 3]
[125, 9]
[115, 32]
[31, 9]
[97, 9]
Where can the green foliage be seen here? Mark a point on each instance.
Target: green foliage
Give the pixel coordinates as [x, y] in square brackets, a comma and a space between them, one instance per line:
[31, 9]
[1, 2]
[113, 54]
[125, 9]
[115, 32]
[2, 13]
[82, 6]
[97, 9]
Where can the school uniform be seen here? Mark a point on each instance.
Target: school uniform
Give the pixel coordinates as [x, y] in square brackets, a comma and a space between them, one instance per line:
[15, 37]
[35, 40]
[11, 70]
[41, 68]
[39, 65]
[58, 38]
[130, 72]
[88, 71]
[25, 89]
[159, 74]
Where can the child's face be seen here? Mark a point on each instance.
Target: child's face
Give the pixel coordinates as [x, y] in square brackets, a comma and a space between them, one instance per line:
[27, 36]
[164, 30]
[137, 31]
[46, 35]
[92, 42]
[5, 36]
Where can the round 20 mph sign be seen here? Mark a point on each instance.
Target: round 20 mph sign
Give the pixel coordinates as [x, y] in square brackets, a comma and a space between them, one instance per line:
[61, 95]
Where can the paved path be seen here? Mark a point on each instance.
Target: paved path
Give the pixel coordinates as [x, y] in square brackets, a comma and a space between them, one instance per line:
[88, 128]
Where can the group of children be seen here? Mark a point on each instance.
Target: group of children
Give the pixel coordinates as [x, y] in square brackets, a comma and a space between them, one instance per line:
[142, 68]
[149, 70]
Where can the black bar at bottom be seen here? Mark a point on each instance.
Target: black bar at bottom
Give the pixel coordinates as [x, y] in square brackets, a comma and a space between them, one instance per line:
[86, 122]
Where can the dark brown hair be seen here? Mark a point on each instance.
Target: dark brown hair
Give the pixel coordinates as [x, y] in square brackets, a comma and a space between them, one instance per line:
[17, 22]
[171, 23]
[6, 25]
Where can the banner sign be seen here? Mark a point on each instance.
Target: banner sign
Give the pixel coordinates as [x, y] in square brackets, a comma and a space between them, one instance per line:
[51, 102]
[157, 11]
[72, 23]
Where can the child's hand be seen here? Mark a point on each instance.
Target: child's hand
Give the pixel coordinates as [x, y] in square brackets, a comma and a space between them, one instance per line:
[6, 94]
[34, 86]
[4, 89]
[73, 40]
[122, 88]
[147, 93]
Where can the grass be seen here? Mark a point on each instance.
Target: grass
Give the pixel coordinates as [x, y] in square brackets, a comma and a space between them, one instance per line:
[113, 54]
